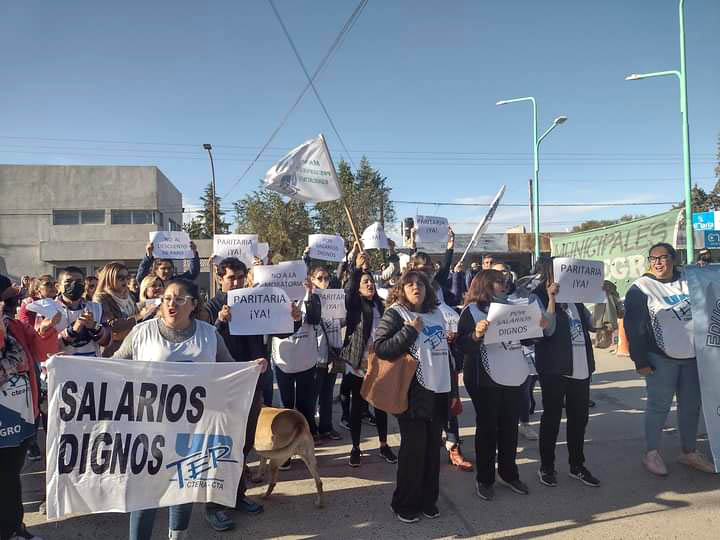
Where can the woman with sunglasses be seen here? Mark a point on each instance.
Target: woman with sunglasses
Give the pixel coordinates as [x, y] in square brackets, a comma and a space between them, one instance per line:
[120, 313]
[174, 336]
[658, 324]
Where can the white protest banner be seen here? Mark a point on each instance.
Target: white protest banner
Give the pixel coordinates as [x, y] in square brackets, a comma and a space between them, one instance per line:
[171, 245]
[128, 435]
[374, 237]
[326, 247]
[241, 246]
[288, 275]
[430, 230]
[332, 302]
[705, 301]
[260, 310]
[305, 174]
[47, 308]
[485, 223]
[513, 322]
[262, 250]
[579, 280]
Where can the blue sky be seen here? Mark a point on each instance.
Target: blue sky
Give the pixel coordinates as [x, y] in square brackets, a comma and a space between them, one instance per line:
[413, 87]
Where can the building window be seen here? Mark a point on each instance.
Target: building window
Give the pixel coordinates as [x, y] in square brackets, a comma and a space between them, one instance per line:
[92, 217]
[66, 217]
[135, 217]
[173, 225]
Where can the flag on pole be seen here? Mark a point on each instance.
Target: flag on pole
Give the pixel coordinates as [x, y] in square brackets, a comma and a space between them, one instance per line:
[485, 223]
[305, 174]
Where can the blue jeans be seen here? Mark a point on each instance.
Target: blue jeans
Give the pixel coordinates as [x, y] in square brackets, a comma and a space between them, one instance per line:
[142, 521]
[670, 377]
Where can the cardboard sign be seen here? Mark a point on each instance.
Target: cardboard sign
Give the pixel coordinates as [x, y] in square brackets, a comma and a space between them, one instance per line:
[262, 250]
[430, 230]
[241, 246]
[510, 322]
[127, 435]
[374, 237]
[260, 310]
[171, 245]
[326, 247]
[332, 302]
[579, 280]
[288, 275]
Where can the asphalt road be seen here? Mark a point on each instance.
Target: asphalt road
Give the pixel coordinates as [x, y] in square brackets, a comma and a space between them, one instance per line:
[631, 503]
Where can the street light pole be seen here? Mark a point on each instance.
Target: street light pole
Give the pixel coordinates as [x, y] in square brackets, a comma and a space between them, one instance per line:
[208, 147]
[687, 178]
[536, 165]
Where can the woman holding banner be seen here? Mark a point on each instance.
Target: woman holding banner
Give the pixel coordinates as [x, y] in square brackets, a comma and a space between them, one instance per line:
[174, 336]
[494, 376]
[20, 348]
[414, 325]
[658, 324]
[364, 310]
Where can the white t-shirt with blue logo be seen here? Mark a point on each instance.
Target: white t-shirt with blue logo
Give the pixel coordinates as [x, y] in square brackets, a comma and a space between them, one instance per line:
[577, 339]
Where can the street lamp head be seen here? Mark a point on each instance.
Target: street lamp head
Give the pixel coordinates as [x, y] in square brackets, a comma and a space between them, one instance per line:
[501, 102]
[207, 146]
[560, 120]
[633, 77]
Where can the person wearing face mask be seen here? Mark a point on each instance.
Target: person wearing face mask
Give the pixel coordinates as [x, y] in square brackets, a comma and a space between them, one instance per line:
[174, 336]
[165, 268]
[414, 325]
[231, 274]
[658, 324]
[119, 311]
[20, 347]
[494, 375]
[364, 310]
[329, 342]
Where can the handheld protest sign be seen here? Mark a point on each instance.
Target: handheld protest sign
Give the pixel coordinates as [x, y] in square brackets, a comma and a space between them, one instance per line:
[171, 245]
[579, 280]
[288, 275]
[431, 230]
[326, 247]
[241, 246]
[259, 311]
[374, 237]
[332, 302]
[513, 322]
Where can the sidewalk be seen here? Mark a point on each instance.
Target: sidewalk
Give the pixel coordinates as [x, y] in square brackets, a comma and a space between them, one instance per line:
[630, 504]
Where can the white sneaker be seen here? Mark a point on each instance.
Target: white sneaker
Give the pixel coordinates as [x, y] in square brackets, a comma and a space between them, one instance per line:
[176, 535]
[654, 463]
[528, 432]
[698, 461]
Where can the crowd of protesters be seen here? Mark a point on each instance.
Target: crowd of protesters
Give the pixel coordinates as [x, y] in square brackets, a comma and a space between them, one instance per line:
[437, 314]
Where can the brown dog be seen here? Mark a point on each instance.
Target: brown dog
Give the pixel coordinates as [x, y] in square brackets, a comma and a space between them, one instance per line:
[282, 434]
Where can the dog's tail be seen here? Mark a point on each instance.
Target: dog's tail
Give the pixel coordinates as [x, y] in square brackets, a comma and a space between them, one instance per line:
[281, 453]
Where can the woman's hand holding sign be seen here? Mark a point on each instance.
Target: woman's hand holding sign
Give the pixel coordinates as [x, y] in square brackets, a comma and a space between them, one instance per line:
[480, 329]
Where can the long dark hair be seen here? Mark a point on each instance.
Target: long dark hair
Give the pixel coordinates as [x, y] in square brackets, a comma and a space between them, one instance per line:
[481, 289]
[397, 294]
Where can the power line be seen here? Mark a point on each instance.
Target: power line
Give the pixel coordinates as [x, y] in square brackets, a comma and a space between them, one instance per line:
[524, 205]
[346, 28]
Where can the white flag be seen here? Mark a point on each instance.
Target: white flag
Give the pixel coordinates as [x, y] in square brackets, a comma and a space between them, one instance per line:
[485, 223]
[374, 237]
[305, 174]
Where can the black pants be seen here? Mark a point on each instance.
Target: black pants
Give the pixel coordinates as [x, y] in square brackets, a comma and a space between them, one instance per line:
[266, 384]
[497, 411]
[297, 391]
[418, 475]
[11, 508]
[528, 405]
[358, 406]
[324, 385]
[575, 394]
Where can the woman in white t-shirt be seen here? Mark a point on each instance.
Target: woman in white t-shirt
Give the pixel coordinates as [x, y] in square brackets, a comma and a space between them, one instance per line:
[174, 336]
[413, 324]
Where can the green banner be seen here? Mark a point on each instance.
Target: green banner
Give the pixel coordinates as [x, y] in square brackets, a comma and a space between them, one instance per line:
[623, 247]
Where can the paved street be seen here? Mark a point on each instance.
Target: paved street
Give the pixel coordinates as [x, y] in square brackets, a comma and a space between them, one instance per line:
[630, 504]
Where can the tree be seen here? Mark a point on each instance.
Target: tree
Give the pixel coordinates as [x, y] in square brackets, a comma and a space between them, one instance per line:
[705, 201]
[597, 223]
[366, 193]
[194, 229]
[205, 219]
[284, 226]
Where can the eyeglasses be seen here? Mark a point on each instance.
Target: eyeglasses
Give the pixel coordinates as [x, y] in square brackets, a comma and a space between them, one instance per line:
[123, 277]
[661, 258]
[47, 284]
[322, 278]
[179, 300]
